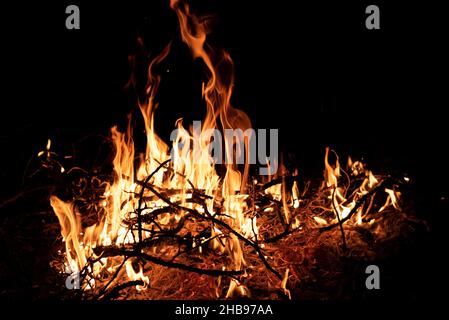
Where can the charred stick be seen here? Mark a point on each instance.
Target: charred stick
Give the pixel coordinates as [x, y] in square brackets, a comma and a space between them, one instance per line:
[116, 290]
[192, 248]
[171, 192]
[342, 231]
[139, 210]
[114, 276]
[224, 225]
[283, 179]
[115, 251]
[279, 236]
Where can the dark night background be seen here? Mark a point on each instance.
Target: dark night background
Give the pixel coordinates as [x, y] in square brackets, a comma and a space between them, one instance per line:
[311, 70]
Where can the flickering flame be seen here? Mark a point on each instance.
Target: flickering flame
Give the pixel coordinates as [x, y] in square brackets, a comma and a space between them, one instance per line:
[284, 284]
[47, 149]
[135, 276]
[339, 202]
[392, 199]
[190, 168]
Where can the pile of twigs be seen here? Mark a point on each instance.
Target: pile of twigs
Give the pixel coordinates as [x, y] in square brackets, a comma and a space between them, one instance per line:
[181, 263]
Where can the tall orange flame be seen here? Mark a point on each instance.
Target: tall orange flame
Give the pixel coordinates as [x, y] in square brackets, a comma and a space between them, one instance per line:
[190, 169]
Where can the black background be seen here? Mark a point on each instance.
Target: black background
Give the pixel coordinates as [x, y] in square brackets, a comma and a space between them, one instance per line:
[312, 70]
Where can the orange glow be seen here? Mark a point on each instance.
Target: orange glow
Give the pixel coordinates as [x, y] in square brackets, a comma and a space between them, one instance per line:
[186, 170]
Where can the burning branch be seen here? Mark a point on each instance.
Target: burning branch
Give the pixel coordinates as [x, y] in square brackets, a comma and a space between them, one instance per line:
[164, 235]
[171, 209]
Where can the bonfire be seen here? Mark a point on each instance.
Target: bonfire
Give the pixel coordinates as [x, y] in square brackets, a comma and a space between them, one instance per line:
[176, 221]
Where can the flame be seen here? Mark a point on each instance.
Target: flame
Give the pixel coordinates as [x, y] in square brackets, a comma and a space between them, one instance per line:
[337, 194]
[70, 231]
[392, 199]
[284, 284]
[191, 168]
[135, 276]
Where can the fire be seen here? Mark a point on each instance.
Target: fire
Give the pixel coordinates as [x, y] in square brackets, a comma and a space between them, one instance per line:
[338, 197]
[136, 276]
[189, 169]
[136, 191]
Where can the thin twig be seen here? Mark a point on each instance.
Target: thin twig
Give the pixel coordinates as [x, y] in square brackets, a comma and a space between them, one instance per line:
[342, 231]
